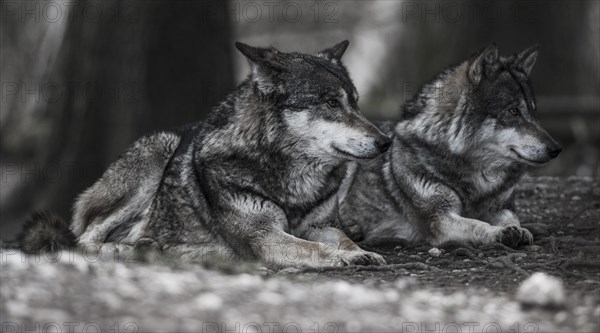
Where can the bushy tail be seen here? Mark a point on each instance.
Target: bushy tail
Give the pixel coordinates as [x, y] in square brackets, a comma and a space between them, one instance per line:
[46, 232]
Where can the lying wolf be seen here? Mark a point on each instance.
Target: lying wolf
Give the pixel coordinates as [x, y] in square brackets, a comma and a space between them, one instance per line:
[463, 143]
[257, 180]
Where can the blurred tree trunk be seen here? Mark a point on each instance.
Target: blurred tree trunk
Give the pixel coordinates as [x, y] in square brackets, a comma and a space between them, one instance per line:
[140, 67]
[437, 34]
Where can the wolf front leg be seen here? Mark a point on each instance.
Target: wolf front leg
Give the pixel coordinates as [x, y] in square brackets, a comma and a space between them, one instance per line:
[283, 249]
[110, 251]
[453, 227]
[253, 224]
[437, 210]
[503, 216]
[322, 225]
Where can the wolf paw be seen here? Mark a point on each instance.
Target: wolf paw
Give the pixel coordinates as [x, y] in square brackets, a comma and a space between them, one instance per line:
[146, 244]
[526, 237]
[147, 249]
[363, 258]
[514, 236]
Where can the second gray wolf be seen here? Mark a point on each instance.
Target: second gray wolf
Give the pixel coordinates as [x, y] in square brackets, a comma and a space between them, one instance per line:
[463, 143]
[258, 179]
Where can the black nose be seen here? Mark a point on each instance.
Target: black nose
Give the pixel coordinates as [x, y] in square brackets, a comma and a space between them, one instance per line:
[554, 151]
[383, 143]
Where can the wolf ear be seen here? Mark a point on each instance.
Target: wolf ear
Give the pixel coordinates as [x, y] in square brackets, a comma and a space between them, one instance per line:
[335, 52]
[265, 57]
[264, 65]
[484, 63]
[526, 59]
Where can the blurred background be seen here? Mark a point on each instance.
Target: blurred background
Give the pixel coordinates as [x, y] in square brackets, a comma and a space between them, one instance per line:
[81, 80]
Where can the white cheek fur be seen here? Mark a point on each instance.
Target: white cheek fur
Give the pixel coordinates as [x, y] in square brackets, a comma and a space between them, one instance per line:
[325, 135]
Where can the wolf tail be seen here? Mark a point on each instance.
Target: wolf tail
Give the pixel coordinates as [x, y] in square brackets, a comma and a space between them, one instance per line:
[46, 232]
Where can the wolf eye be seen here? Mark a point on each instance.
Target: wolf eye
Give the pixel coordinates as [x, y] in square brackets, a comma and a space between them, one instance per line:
[514, 111]
[332, 103]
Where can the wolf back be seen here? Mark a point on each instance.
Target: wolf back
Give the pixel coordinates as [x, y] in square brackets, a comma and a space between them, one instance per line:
[257, 180]
[464, 141]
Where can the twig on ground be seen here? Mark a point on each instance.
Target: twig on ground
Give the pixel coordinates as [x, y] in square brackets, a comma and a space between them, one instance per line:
[589, 263]
[554, 269]
[499, 246]
[593, 249]
[583, 242]
[452, 245]
[465, 252]
[552, 241]
[393, 267]
[583, 210]
[508, 262]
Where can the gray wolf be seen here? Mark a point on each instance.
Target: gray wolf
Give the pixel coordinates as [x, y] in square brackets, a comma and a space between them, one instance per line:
[463, 142]
[256, 180]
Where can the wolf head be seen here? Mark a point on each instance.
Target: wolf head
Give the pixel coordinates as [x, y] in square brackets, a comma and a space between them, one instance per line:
[486, 106]
[502, 98]
[316, 101]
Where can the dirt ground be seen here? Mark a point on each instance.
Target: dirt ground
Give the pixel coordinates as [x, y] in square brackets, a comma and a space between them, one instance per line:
[563, 216]
[464, 289]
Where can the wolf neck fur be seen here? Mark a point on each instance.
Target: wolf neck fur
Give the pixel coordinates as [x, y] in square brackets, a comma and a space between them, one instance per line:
[254, 135]
[442, 143]
[250, 120]
[442, 104]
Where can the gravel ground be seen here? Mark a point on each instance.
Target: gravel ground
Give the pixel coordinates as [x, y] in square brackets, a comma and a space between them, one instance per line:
[455, 288]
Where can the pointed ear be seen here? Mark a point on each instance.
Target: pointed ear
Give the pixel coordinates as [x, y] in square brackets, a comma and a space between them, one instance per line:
[265, 57]
[526, 59]
[484, 63]
[264, 66]
[335, 52]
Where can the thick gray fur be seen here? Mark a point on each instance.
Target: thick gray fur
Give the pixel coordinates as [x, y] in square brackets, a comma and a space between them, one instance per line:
[464, 142]
[257, 180]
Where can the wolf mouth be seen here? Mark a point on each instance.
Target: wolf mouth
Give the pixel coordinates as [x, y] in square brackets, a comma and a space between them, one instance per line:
[347, 154]
[526, 160]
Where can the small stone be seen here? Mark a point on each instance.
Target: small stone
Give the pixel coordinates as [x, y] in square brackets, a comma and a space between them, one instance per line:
[271, 298]
[561, 316]
[342, 288]
[533, 248]
[575, 198]
[209, 302]
[406, 283]
[435, 252]
[289, 270]
[541, 290]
